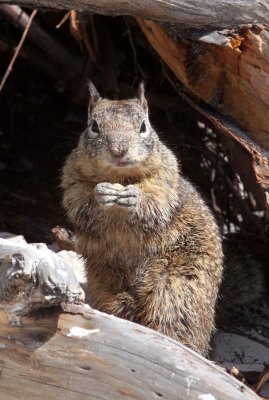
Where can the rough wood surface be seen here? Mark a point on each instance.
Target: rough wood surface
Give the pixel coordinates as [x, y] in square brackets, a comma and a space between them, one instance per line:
[191, 13]
[34, 277]
[233, 78]
[96, 356]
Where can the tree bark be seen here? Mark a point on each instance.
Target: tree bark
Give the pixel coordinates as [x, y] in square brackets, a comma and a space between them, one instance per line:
[188, 14]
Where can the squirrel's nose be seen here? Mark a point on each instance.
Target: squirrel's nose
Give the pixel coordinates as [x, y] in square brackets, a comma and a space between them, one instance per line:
[118, 149]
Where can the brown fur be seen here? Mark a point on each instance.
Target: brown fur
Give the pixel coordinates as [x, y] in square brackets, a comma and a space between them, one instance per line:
[159, 260]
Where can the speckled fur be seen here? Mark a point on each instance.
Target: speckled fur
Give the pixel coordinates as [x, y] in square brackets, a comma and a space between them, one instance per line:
[160, 262]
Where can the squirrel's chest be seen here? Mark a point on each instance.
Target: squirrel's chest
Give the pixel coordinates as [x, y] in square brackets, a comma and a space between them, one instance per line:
[115, 258]
[116, 245]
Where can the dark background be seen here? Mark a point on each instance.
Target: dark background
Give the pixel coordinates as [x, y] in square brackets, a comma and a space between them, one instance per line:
[44, 107]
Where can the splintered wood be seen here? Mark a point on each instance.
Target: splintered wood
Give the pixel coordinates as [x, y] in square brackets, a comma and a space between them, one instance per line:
[232, 77]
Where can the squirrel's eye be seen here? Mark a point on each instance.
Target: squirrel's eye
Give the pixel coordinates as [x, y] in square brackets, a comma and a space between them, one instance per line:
[143, 127]
[95, 127]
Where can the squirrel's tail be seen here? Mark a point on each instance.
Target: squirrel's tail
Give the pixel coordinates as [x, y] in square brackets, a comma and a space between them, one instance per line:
[243, 278]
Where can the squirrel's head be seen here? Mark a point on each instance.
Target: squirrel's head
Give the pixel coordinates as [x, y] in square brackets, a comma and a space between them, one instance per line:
[119, 134]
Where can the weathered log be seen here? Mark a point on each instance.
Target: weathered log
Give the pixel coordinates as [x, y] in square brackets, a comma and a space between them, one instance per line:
[188, 14]
[34, 277]
[97, 356]
[233, 78]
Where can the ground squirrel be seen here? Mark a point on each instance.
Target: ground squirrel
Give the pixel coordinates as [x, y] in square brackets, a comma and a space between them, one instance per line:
[152, 247]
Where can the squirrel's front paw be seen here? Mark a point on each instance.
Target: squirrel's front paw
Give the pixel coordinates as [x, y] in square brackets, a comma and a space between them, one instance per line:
[128, 197]
[106, 194]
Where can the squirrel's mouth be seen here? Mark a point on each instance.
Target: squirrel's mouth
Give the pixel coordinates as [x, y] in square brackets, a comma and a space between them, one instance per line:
[121, 162]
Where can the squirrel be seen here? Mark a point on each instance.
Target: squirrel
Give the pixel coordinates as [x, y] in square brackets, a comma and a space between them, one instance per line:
[152, 247]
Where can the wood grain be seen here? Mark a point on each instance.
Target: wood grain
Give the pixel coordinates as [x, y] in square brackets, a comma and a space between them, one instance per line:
[117, 360]
[233, 78]
[188, 14]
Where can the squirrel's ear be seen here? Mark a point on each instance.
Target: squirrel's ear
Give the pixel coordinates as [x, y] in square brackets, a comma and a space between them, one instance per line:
[141, 96]
[94, 95]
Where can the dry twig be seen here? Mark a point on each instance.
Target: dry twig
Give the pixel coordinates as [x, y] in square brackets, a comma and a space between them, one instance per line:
[63, 20]
[11, 64]
[75, 27]
[51, 47]
[78, 28]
